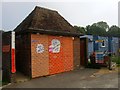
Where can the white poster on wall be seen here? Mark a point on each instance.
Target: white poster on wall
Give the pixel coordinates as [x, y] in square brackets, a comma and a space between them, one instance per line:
[56, 46]
[40, 48]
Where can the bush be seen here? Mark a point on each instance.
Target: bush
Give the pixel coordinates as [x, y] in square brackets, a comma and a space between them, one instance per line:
[116, 59]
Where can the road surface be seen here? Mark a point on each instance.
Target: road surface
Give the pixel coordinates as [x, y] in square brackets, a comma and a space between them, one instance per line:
[83, 78]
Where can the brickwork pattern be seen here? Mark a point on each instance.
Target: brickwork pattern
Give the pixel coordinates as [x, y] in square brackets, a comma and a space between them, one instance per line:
[40, 61]
[56, 59]
[47, 62]
[76, 52]
[68, 53]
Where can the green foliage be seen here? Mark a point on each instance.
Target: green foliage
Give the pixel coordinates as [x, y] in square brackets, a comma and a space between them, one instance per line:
[80, 29]
[116, 59]
[100, 28]
[103, 25]
[96, 29]
[114, 31]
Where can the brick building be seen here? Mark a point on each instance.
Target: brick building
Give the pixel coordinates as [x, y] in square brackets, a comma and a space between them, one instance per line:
[46, 44]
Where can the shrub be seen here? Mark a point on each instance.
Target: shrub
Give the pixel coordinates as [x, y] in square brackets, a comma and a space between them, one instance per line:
[116, 59]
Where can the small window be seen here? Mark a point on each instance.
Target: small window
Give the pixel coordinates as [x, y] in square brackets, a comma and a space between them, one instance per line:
[103, 44]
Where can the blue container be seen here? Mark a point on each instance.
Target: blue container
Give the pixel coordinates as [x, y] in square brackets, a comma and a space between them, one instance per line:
[110, 45]
[100, 43]
[95, 43]
[99, 57]
[100, 47]
[113, 45]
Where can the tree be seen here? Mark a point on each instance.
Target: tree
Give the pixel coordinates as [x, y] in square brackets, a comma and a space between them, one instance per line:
[80, 29]
[114, 31]
[103, 25]
[99, 28]
[88, 28]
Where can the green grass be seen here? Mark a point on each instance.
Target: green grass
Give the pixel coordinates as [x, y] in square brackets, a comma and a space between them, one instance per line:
[116, 59]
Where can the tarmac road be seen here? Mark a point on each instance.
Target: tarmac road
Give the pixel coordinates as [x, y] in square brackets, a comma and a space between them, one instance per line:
[83, 78]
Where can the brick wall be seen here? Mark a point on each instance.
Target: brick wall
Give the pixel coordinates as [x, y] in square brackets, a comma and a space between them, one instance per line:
[47, 63]
[56, 60]
[34, 59]
[68, 53]
[39, 59]
[76, 52]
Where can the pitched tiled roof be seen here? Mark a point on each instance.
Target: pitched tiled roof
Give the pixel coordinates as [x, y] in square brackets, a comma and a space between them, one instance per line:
[46, 21]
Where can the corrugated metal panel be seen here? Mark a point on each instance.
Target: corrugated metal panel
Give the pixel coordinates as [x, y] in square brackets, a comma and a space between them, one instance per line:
[102, 49]
[55, 59]
[115, 44]
[110, 47]
[99, 57]
[95, 44]
[67, 45]
[39, 55]
[98, 43]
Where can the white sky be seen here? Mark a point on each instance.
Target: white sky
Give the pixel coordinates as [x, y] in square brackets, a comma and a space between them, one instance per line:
[76, 12]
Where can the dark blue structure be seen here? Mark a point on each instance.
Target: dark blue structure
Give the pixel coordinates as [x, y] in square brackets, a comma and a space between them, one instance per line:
[110, 49]
[100, 43]
[113, 45]
[100, 47]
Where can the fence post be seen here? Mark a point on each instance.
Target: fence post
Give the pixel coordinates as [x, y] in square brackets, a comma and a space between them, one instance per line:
[109, 62]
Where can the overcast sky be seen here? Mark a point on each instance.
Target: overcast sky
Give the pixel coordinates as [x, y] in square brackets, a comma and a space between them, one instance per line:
[81, 13]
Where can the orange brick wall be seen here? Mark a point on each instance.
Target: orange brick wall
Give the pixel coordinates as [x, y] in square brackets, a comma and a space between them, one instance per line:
[47, 62]
[67, 53]
[39, 61]
[56, 61]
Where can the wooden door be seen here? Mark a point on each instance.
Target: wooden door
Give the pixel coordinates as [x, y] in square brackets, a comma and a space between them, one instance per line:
[83, 51]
